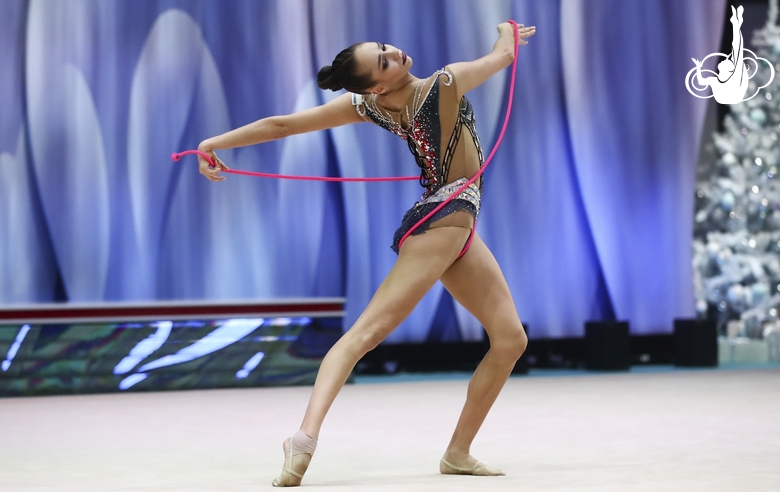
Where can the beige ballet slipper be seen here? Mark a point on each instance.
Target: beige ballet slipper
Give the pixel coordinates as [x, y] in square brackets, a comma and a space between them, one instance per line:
[298, 451]
[478, 469]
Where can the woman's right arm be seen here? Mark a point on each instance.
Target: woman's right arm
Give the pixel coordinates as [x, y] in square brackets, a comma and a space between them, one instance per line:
[473, 73]
[337, 112]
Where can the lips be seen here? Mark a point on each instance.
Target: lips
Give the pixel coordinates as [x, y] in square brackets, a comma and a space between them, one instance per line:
[403, 57]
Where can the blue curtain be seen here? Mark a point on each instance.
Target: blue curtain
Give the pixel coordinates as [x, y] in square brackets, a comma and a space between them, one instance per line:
[588, 203]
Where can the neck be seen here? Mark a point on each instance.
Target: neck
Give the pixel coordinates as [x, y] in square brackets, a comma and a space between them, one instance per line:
[399, 92]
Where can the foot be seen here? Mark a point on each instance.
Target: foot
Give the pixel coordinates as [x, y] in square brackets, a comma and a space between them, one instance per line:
[298, 451]
[736, 15]
[451, 465]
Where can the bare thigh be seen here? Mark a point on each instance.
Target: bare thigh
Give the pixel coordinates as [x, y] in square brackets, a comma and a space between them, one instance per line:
[476, 282]
[421, 262]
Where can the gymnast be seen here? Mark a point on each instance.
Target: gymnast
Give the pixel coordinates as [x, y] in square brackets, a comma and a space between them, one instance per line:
[730, 85]
[437, 122]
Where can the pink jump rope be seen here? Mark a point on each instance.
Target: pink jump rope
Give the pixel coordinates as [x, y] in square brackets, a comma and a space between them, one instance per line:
[176, 155]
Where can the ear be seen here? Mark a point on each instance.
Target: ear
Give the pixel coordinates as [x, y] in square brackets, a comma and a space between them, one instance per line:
[378, 89]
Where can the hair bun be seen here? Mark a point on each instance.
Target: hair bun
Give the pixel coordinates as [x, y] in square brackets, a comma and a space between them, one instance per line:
[345, 73]
[325, 79]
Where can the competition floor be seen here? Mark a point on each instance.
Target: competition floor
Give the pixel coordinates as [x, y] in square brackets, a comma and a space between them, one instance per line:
[659, 430]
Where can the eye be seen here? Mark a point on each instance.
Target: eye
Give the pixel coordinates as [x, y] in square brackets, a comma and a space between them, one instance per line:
[384, 60]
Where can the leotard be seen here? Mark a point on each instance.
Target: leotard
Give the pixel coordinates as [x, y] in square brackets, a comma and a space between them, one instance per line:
[434, 113]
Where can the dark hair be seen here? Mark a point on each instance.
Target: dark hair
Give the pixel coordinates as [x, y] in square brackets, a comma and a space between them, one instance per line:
[343, 74]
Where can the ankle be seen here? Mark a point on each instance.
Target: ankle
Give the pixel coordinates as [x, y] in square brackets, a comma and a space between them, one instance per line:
[304, 442]
[457, 453]
[310, 432]
[307, 435]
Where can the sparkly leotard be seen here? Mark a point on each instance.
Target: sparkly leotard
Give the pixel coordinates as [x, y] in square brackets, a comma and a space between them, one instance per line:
[435, 112]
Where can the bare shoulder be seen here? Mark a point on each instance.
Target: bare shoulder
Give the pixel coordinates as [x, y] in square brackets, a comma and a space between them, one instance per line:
[343, 109]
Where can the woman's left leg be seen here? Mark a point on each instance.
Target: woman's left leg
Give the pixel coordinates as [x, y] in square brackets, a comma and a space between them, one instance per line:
[476, 282]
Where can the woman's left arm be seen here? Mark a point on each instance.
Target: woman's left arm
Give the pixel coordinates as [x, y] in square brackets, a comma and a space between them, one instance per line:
[472, 74]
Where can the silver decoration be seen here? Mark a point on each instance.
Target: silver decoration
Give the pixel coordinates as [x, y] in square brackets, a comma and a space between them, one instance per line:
[736, 250]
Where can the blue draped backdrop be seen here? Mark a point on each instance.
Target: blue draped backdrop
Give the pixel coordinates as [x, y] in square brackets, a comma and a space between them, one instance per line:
[587, 207]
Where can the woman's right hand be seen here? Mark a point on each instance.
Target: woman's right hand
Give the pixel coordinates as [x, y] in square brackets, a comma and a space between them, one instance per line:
[206, 169]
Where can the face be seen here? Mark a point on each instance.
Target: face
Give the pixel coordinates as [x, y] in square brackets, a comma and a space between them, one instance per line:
[386, 64]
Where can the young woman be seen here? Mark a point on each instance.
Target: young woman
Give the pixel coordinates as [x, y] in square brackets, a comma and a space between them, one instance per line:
[431, 114]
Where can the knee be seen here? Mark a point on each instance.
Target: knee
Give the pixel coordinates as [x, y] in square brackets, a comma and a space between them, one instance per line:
[511, 345]
[365, 339]
[518, 343]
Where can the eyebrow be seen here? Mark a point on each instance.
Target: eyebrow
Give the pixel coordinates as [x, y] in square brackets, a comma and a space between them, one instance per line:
[379, 56]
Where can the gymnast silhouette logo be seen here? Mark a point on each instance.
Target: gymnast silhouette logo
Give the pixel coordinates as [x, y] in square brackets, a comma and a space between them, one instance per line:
[730, 84]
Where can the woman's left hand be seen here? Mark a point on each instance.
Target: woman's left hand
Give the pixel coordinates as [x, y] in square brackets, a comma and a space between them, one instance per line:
[522, 31]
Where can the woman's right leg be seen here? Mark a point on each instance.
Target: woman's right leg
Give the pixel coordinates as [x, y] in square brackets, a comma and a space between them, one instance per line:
[421, 261]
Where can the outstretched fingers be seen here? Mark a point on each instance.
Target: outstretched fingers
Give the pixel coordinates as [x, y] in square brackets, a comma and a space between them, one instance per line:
[525, 33]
